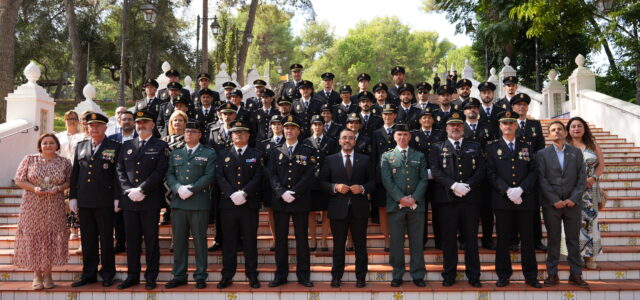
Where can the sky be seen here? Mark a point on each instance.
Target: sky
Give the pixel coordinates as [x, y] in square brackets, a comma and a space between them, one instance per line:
[345, 14]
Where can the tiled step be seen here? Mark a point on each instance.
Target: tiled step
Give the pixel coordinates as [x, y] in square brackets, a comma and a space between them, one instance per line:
[322, 272]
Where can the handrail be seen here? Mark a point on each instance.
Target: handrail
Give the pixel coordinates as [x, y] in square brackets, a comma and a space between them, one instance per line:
[26, 130]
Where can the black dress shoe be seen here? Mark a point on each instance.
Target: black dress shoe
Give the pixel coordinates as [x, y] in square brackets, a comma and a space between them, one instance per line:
[254, 283]
[150, 285]
[448, 282]
[175, 283]
[306, 283]
[165, 222]
[324, 249]
[128, 283]
[475, 283]
[107, 282]
[277, 282]
[215, 247]
[201, 284]
[119, 249]
[419, 282]
[534, 283]
[386, 249]
[223, 283]
[335, 282]
[360, 283]
[514, 247]
[396, 282]
[272, 249]
[83, 281]
[540, 246]
[502, 282]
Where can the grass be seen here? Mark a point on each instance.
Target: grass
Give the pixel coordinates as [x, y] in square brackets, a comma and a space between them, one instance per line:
[63, 105]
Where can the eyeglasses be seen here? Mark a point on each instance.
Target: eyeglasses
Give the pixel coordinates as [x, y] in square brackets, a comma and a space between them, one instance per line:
[71, 119]
[192, 131]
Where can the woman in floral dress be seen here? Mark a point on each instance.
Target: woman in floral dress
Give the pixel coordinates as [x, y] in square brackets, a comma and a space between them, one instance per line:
[42, 235]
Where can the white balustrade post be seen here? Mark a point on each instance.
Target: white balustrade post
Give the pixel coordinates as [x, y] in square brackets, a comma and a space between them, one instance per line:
[221, 77]
[467, 71]
[554, 96]
[30, 102]
[187, 84]
[162, 79]
[581, 78]
[506, 71]
[89, 93]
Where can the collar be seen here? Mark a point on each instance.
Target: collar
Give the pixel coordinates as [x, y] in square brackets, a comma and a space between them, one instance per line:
[244, 149]
[345, 104]
[430, 130]
[454, 141]
[317, 137]
[294, 145]
[143, 140]
[400, 149]
[278, 136]
[305, 100]
[328, 92]
[564, 146]
[344, 155]
[487, 106]
[507, 141]
[387, 127]
[328, 124]
[469, 123]
[443, 110]
[405, 107]
[186, 147]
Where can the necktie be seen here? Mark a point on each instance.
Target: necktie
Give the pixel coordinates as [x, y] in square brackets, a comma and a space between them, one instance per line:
[306, 104]
[511, 146]
[348, 167]
[446, 113]
[206, 112]
[389, 131]
[424, 106]
[326, 94]
[189, 152]
[366, 118]
[404, 155]
[144, 142]
[346, 108]
[94, 147]
[473, 127]
[522, 125]
[488, 110]
[277, 140]
[427, 133]
[318, 140]
[239, 152]
[326, 128]
[290, 151]
[406, 111]
[457, 145]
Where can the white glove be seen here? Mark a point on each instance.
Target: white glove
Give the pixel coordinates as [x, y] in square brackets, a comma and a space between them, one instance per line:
[116, 205]
[73, 205]
[430, 176]
[288, 196]
[460, 189]
[515, 193]
[184, 192]
[136, 194]
[238, 198]
[517, 201]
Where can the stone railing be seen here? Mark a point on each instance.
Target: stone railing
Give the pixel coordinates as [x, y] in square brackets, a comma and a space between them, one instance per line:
[619, 117]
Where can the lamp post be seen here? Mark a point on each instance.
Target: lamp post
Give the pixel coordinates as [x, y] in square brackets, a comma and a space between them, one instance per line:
[150, 14]
[604, 5]
[249, 40]
[215, 30]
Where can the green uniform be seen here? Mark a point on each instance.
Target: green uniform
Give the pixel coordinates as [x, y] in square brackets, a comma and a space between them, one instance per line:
[402, 177]
[192, 214]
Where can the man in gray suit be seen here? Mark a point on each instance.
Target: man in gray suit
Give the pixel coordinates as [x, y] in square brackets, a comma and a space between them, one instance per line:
[562, 181]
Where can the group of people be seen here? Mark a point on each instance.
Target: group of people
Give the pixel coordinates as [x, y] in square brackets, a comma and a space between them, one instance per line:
[385, 153]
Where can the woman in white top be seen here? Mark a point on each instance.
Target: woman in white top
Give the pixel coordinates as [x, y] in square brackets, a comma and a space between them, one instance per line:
[70, 137]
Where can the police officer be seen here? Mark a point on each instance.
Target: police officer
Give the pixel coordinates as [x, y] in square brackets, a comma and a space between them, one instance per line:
[512, 174]
[150, 101]
[331, 128]
[363, 142]
[141, 170]
[241, 112]
[458, 167]
[364, 80]
[510, 86]
[445, 108]
[292, 167]
[370, 121]
[463, 88]
[531, 131]
[174, 77]
[261, 116]
[219, 132]
[253, 103]
[94, 194]
[421, 140]
[489, 111]
[404, 176]
[381, 98]
[239, 176]
[407, 113]
[204, 79]
[290, 88]
[228, 87]
[306, 106]
[422, 102]
[205, 112]
[341, 110]
[190, 174]
[327, 95]
[398, 75]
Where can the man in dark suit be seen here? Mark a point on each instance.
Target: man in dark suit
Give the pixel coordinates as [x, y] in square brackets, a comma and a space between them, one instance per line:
[204, 79]
[398, 75]
[363, 142]
[489, 111]
[562, 179]
[510, 86]
[174, 77]
[531, 131]
[150, 102]
[458, 167]
[290, 88]
[345, 107]
[364, 80]
[331, 128]
[259, 118]
[94, 194]
[292, 166]
[239, 174]
[306, 106]
[512, 173]
[407, 113]
[348, 177]
[327, 95]
[422, 98]
[463, 89]
[205, 112]
[370, 121]
[253, 103]
[445, 108]
[141, 170]
[380, 92]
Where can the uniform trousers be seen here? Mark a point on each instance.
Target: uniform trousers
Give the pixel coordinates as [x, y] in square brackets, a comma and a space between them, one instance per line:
[96, 225]
[239, 221]
[410, 222]
[453, 216]
[506, 222]
[141, 224]
[183, 222]
[300, 227]
[339, 229]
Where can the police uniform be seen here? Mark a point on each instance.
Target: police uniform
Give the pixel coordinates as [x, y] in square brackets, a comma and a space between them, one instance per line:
[253, 103]
[505, 102]
[95, 186]
[194, 170]
[450, 166]
[460, 100]
[239, 174]
[404, 173]
[164, 93]
[324, 147]
[292, 172]
[332, 97]
[305, 112]
[371, 121]
[220, 136]
[361, 77]
[377, 109]
[490, 116]
[260, 120]
[266, 146]
[195, 96]
[408, 115]
[152, 105]
[382, 140]
[206, 115]
[393, 91]
[166, 110]
[510, 166]
[142, 165]
[290, 88]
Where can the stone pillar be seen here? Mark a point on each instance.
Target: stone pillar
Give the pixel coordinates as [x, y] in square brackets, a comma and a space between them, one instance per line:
[581, 78]
[187, 84]
[162, 79]
[89, 93]
[554, 95]
[493, 78]
[30, 102]
[506, 71]
[467, 71]
[221, 77]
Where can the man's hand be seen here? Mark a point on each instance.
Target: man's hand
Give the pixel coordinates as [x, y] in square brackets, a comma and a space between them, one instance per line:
[407, 201]
[288, 196]
[569, 203]
[73, 205]
[116, 206]
[342, 188]
[357, 189]
[590, 182]
[559, 204]
[136, 194]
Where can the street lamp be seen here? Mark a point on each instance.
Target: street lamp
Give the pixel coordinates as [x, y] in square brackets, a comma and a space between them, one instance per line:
[215, 30]
[604, 5]
[215, 26]
[150, 13]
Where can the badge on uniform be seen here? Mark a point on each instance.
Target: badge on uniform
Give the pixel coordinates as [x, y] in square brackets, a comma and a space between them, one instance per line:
[177, 157]
[533, 131]
[200, 158]
[105, 166]
[394, 171]
[417, 139]
[109, 154]
[281, 156]
[499, 152]
[130, 151]
[227, 159]
[250, 160]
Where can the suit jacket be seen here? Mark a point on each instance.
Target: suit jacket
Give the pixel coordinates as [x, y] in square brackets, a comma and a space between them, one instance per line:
[557, 183]
[382, 142]
[195, 97]
[422, 143]
[197, 170]
[236, 173]
[260, 126]
[532, 133]
[290, 89]
[503, 102]
[491, 119]
[507, 170]
[218, 138]
[164, 94]
[401, 178]
[334, 130]
[334, 97]
[368, 127]
[93, 178]
[292, 173]
[410, 118]
[155, 106]
[340, 113]
[482, 135]
[333, 172]
[449, 166]
[440, 117]
[145, 168]
[363, 145]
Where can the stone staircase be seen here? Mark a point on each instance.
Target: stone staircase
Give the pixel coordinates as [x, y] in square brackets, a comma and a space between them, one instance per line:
[617, 276]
